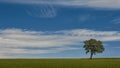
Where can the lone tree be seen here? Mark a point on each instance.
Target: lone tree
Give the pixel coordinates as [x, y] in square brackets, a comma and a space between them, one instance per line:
[93, 46]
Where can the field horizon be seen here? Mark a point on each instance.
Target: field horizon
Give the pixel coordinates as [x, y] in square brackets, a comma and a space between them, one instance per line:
[60, 58]
[61, 63]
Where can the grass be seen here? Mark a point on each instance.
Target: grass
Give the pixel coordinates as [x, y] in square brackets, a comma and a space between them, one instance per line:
[59, 63]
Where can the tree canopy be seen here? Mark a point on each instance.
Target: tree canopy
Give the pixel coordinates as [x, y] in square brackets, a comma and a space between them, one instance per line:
[93, 46]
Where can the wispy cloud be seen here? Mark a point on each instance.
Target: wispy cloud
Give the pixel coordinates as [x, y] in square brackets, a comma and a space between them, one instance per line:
[44, 11]
[46, 8]
[85, 17]
[19, 42]
[116, 47]
[116, 21]
[86, 3]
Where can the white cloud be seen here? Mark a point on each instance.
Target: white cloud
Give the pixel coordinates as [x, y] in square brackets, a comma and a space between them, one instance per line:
[17, 41]
[86, 3]
[21, 52]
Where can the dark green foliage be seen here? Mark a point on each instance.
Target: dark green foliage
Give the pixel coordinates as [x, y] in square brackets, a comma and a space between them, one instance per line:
[93, 46]
[59, 63]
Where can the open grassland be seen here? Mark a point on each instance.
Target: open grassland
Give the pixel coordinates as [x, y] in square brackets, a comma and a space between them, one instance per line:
[59, 63]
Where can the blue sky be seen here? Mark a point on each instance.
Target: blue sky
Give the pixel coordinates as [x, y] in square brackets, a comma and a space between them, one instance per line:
[57, 29]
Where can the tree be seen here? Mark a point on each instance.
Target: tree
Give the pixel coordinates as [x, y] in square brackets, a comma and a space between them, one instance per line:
[93, 46]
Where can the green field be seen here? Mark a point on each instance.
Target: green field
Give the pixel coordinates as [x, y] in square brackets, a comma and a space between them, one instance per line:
[59, 63]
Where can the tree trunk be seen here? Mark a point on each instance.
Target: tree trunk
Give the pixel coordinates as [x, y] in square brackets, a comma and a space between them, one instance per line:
[91, 55]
